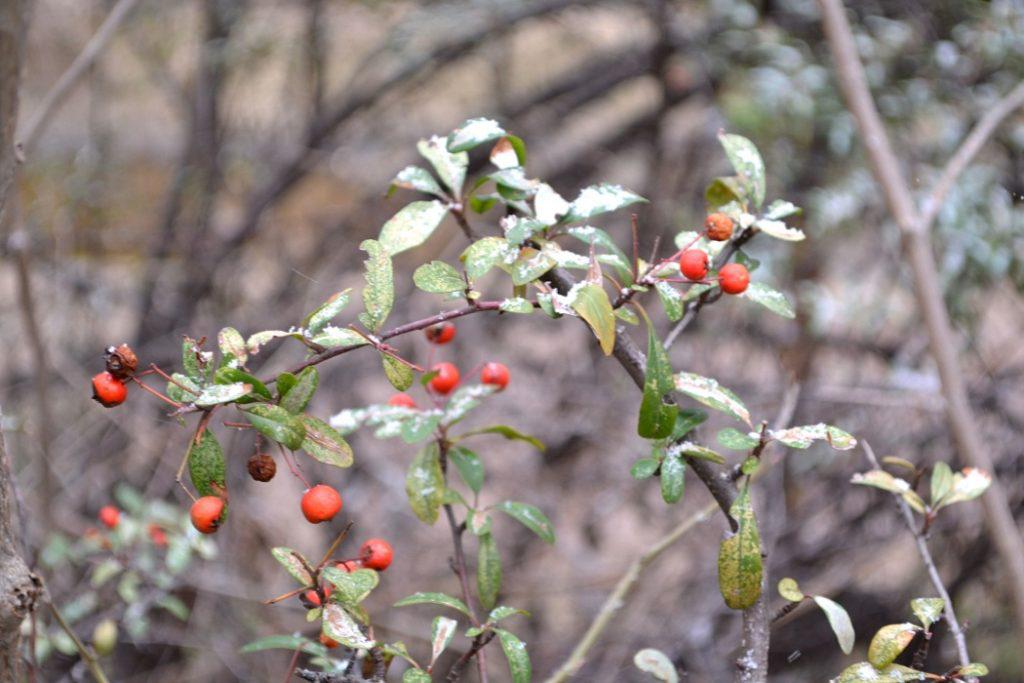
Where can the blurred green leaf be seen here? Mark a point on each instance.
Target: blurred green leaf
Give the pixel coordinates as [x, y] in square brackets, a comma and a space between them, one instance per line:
[488, 571]
[277, 424]
[206, 465]
[739, 557]
[529, 516]
[324, 443]
[424, 484]
[438, 277]
[379, 293]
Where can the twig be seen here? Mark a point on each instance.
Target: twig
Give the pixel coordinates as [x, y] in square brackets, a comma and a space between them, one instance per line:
[929, 563]
[79, 67]
[1001, 526]
[85, 652]
[476, 648]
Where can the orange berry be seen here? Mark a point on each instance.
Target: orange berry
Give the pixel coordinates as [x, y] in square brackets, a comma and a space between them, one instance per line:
[441, 333]
[328, 642]
[108, 390]
[321, 503]
[377, 554]
[718, 227]
[733, 278]
[446, 379]
[402, 400]
[348, 565]
[110, 516]
[495, 374]
[157, 535]
[206, 513]
[693, 263]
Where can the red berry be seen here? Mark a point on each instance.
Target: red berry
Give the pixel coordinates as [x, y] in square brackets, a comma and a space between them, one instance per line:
[718, 227]
[733, 278]
[441, 333]
[693, 263]
[376, 553]
[206, 513]
[328, 642]
[108, 390]
[446, 379]
[110, 516]
[310, 599]
[157, 535]
[348, 565]
[402, 400]
[321, 503]
[496, 374]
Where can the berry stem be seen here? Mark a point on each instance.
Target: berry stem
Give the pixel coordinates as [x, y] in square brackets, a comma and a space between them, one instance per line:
[165, 399]
[293, 466]
[153, 367]
[334, 546]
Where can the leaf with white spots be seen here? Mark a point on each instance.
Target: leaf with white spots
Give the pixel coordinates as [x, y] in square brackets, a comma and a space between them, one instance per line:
[474, 132]
[332, 337]
[772, 299]
[739, 557]
[968, 484]
[324, 443]
[434, 599]
[598, 199]
[747, 162]
[889, 642]
[379, 293]
[293, 563]
[530, 265]
[438, 277]
[411, 226]
[779, 230]
[803, 437]
[441, 632]
[657, 664]
[516, 305]
[256, 341]
[515, 653]
[488, 570]
[927, 610]
[339, 626]
[712, 394]
[505, 155]
[424, 484]
[419, 179]
[325, 312]
[464, 400]
[780, 209]
[232, 345]
[450, 166]
[864, 672]
[484, 254]
[350, 588]
[602, 241]
[215, 394]
[549, 206]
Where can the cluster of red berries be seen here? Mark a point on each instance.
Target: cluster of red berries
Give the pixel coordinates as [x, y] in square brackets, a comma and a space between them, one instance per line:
[110, 517]
[446, 375]
[319, 503]
[109, 388]
[733, 278]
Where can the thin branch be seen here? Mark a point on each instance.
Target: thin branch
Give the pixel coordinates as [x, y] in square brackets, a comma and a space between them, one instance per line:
[966, 152]
[74, 73]
[929, 563]
[87, 656]
[1001, 527]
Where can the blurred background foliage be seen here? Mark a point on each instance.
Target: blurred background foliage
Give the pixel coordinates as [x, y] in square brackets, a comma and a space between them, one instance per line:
[223, 160]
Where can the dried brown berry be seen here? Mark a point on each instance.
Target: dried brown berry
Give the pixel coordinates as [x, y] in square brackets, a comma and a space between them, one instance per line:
[718, 227]
[262, 467]
[121, 361]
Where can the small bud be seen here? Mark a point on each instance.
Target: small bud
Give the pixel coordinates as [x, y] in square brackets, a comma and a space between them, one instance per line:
[104, 637]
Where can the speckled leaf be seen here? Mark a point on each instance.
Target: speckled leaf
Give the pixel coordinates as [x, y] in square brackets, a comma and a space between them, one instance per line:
[598, 199]
[437, 277]
[256, 341]
[276, 423]
[518, 658]
[592, 304]
[747, 162]
[398, 373]
[644, 468]
[206, 465]
[411, 226]
[736, 440]
[692, 450]
[232, 345]
[379, 293]
[529, 516]
[779, 230]
[450, 166]
[474, 132]
[889, 642]
[673, 478]
[739, 558]
[772, 299]
[518, 229]
[484, 254]
[712, 394]
[529, 265]
[416, 676]
[780, 208]
[657, 664]
[441, 632]
[968, 484]
[803, 437]
[602, 241]
[464, 400]
[292, 563]
[863, 672]
[548, 205]
[179, 394]
[326, 312]
[424, 484]
[215, 394]
[338, 337]
[338, 625]
[657, 416]
[324, 443]
[790, 590]
[469, 466]
[516, 305]
[488, 570]
[193, 360]
[840, 622]
[721, 192]
[671, 300]
[974, 669]
[927, 610]
[227, 375]
[419, 425]
[880, 479]
[434, 599]
[416, 178]
[351, 588]
[298, 396]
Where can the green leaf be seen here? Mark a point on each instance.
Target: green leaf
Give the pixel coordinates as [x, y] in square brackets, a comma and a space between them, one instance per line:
[747, 162]
[398, 373]
[232, 345]
[424, 484]
[968, 484]
[484, 254]
[790, 590]
[927, 610]
[293, 562]
[739, 557]
[723, 191]
[712, 394]
[509, 433]
[258, 339]
[474, 132]
[518, 658]
[673, 479]
[416, 676]
[179, 394]
[779, 230]
[671, 300]
[686, 421]
[277, 424]
[780, 208]
[488, 571]
[339, 625]
[419, 426]
[234, 375]
[598, 199]
[215, 394]
[284, 643]
[324, 443]
[469, 466]
[602, 241]
[644, 468]
[529, 265]
[450, 167]
[941, 484]
[772, 299]
[285, 382]
[516, 305]
[351, 588]
[441, 632]
[803, 437]
[325, 312]
[592, 304]
[657, 416]
[438, 277]
[411, 226]
[332, 337]
[416, 178]
[434, 599]
[880, 479]
[529, 516]
[840, 622]
[736, 440]
[889, 642]
[692, 450]
[974, 669]
[657, 664]
[206, 465]
[379, 293]
[301, 393]
[863, 672]
[193, 360]
[504, 612]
